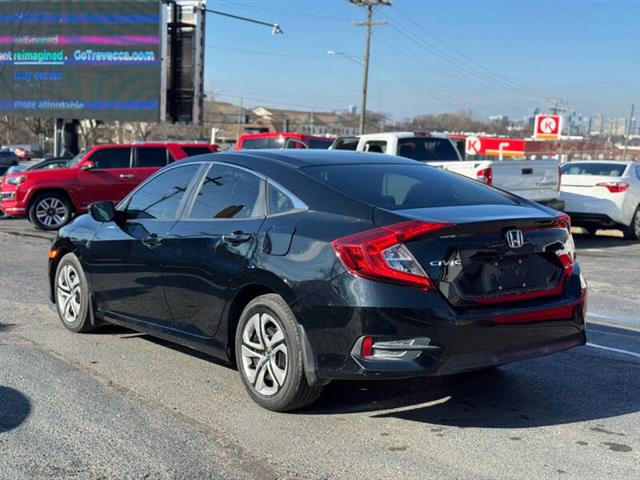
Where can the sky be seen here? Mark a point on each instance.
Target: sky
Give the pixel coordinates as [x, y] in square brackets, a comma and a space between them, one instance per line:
[487, 56]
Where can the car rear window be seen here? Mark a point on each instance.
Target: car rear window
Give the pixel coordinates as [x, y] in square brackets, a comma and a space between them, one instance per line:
[319, 144]
[602, 169]
[403, 187]
[427, 149]
[259, 143]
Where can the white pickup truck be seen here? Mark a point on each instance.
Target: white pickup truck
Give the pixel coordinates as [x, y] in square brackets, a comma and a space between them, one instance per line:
[536, 180]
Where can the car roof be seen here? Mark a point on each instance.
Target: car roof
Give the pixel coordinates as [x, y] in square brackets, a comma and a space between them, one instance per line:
[295, 135]
[299, 158]
[404, 135]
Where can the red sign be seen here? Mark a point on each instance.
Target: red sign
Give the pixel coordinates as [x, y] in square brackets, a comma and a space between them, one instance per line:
[492, 146]
[547, 127]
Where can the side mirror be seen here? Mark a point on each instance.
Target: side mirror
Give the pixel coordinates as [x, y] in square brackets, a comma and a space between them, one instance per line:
[103, 212]
[88, 165]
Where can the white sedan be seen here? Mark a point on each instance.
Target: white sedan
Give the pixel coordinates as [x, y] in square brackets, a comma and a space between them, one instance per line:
[603, 194]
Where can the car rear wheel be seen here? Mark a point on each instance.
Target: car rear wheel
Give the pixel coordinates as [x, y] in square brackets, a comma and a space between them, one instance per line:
[632, 232]
[269, 356]
[50, 211]
[72, 295]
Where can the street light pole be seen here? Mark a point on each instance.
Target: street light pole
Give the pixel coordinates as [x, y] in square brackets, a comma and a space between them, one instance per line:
[369, 23]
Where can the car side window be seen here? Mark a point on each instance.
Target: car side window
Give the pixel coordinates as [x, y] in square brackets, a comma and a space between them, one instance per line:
[375, 146]
[292, 143]
[279, 201]
[110, 158]
[228, 192]
[160, 197]
[148, 157]
[638, 171]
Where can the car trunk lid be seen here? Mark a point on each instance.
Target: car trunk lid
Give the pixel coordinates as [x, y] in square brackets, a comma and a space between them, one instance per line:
[492, 254]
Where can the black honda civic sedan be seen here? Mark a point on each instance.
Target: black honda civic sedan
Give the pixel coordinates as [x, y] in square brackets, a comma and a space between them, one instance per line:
[302, 267]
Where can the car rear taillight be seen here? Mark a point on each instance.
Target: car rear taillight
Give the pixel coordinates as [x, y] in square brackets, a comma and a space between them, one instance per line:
[614, 187]
[380, 253]
[562, 220]
[485, 176]
[567, 255]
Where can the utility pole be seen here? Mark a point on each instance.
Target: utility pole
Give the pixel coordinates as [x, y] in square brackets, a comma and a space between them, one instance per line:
[370, 5]
[626, 137]
[240, 118]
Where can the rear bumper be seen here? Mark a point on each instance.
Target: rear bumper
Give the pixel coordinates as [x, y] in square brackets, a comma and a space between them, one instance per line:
[457, 341]
[593, 210]
[580, 219]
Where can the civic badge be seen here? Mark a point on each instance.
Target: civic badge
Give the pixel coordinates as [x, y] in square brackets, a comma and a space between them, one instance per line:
[515, 238]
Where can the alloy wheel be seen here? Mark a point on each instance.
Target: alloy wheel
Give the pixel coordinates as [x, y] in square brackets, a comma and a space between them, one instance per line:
[69, 293]
[636, 225]
[264, 354]
[51, 212]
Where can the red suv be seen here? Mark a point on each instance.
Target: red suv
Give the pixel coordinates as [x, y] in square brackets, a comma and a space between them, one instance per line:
[253, 141]
[50, 198]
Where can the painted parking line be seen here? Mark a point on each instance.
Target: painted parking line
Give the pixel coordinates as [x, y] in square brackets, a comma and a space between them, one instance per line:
[616, 350]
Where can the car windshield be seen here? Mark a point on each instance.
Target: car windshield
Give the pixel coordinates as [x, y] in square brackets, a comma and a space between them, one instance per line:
[75, 160]
[427, 149]
[610, 169]
[402, 187]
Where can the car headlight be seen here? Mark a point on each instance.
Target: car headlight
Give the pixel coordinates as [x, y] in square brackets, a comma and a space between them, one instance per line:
[19, 180]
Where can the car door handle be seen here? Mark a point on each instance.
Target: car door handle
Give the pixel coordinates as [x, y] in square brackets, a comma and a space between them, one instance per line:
[126, 176]
[152, 241]
[237, 237]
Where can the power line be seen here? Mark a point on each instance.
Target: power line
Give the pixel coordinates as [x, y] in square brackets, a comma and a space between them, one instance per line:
[474, 72]
[469, 59]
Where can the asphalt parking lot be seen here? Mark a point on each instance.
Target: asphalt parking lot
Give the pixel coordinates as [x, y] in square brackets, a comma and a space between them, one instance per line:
[115, 404]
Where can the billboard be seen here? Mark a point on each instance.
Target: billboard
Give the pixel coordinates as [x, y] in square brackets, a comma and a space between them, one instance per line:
[98, 59]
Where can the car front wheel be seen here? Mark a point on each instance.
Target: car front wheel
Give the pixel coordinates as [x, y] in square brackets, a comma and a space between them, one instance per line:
[50, 211]
[269, 356]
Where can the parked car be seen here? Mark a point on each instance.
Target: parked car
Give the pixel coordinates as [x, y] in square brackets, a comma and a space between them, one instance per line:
[25, 151]
[253, 141]
[46, 164]
[7, 159]
[280, 263]
[50, 198]
[536, 180]
[603, 194]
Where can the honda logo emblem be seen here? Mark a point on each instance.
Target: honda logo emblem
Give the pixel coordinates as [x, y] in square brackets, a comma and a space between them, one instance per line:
[515, 238]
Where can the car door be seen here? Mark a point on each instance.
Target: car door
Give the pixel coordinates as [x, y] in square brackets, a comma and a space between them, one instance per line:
[126, 257]
[105, 175]
[147, 160]
[210, 247]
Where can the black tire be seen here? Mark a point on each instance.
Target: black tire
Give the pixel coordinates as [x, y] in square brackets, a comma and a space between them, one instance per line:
[632, 232]
[59, 214]
[78, 295]
[295, 392]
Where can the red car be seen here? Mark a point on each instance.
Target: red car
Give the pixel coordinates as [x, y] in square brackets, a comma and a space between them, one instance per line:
[50, 198]
[254, 141]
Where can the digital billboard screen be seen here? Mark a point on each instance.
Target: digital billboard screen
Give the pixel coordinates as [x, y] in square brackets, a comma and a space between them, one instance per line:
[97, 59]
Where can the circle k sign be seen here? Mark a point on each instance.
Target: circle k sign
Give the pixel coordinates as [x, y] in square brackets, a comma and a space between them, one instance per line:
[547, 126]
